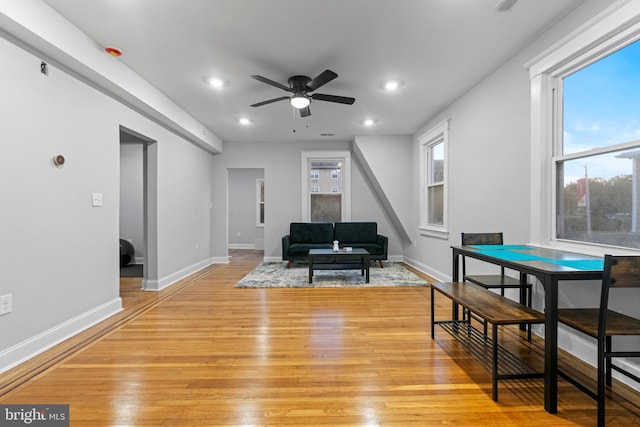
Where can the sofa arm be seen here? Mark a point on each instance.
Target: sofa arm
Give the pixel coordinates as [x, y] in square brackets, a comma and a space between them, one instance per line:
[286, 241]
[384, 242]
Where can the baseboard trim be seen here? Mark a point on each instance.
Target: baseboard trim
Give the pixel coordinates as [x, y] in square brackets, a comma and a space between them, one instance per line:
[438, 275]
[241, 246]
[165, 282]
[21, 352]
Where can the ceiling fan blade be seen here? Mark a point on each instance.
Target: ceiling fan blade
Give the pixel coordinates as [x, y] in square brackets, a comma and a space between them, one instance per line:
[325, 77]
[305, 112]
[271, 82]
[333, 98]
[259, 104]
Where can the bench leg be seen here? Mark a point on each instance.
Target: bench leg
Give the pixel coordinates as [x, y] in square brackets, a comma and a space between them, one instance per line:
[432, 315]
[494, 363]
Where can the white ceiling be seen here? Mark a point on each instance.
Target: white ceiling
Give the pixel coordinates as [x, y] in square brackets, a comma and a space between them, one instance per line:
[438, 49]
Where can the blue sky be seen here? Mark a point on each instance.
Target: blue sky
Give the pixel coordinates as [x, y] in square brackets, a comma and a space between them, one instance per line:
[602, 108]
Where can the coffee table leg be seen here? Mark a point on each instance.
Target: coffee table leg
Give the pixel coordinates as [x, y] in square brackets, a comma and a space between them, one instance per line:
[366, 266]
[310, 269]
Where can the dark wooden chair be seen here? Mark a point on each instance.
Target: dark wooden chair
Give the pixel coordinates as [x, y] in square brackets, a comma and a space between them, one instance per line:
[495, 281]
[602, 323]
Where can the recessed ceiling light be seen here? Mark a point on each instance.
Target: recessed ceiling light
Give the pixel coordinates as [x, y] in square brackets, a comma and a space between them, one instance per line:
[369, 122]
[216, 82]
[391, 85]
[244, 121]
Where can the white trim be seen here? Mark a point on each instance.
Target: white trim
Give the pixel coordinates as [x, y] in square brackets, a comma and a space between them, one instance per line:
[241, 246]
[342, 155]
[165, 282]
[25, 350]
[608, 31]
[437, 134]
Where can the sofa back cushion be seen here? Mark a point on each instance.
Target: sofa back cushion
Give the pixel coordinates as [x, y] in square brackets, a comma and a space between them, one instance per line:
[356, 232]
[311, 232]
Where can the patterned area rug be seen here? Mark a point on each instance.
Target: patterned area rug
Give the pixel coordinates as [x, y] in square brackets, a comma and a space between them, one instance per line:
[276, 275]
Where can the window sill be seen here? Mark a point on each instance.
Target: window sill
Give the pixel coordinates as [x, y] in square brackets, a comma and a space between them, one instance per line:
[438, 233]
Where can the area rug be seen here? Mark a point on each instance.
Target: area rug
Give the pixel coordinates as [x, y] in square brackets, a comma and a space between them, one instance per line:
[276, 275]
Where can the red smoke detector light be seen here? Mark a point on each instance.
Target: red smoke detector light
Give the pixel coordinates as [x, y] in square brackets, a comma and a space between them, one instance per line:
[113, 51]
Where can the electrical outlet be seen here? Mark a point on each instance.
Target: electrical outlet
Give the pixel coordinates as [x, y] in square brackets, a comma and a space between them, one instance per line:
[6, 304]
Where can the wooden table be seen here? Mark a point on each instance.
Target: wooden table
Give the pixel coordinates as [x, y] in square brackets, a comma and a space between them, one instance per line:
[549, 266]
[334, 260]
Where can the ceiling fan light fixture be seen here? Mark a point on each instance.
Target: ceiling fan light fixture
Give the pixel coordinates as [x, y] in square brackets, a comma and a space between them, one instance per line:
[391, 85]
[300, 101]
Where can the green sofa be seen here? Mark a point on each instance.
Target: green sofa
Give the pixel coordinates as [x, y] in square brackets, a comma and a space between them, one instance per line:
[320, 235]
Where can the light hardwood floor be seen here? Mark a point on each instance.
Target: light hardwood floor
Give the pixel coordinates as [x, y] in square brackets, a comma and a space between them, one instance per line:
[203, 353]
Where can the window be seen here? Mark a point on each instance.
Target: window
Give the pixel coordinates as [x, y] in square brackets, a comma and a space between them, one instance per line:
[260, 202]
[586, 136]
[433, 194]
[326, 193]
[598, 152]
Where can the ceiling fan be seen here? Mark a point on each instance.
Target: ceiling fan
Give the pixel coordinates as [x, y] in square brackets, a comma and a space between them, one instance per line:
[300, 86]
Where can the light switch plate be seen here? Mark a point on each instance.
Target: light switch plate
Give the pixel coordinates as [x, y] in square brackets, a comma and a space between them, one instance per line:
[96, 199]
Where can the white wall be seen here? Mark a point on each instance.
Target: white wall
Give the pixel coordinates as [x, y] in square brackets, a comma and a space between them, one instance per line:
[59, 255]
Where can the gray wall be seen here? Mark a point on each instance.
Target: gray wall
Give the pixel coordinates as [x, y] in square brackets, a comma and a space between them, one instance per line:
[59, 255]
[132, 197]
[283, 193]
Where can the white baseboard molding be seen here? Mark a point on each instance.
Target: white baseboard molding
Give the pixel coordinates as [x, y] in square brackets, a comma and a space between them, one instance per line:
[272, 259]
[585, 349]
[160, 284]
[438, 275]
[27, 349]
[241, 246]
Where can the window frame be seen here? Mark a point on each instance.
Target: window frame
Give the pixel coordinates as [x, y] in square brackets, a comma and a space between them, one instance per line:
[343, 156]
[436, 135]
[611, 30]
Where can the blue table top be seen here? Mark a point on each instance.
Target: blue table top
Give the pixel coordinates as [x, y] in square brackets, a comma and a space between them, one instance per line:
[531, 253]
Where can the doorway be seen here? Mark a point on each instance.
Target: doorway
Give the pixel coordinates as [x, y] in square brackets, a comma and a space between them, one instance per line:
[138, 206]
[246, 204]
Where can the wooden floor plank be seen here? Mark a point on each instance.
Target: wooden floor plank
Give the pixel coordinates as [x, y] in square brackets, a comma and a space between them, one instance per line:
[208, 354]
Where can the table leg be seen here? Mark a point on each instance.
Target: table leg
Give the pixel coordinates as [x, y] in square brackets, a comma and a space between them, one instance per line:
[367, 261]
[551, 345]
[310, 269]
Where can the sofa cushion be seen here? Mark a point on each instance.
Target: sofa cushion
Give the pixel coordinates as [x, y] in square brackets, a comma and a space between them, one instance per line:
[311, 232]
[372, 248]
[356, 232]
[301, 250]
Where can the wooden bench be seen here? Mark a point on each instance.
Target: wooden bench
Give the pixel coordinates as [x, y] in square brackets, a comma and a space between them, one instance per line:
[495, 310]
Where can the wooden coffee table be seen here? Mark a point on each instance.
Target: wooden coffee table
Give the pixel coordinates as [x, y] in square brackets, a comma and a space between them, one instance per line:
[335, 260]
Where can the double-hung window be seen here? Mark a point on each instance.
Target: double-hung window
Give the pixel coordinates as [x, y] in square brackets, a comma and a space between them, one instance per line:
[586, 138]
[433, 180]
[326, 186]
